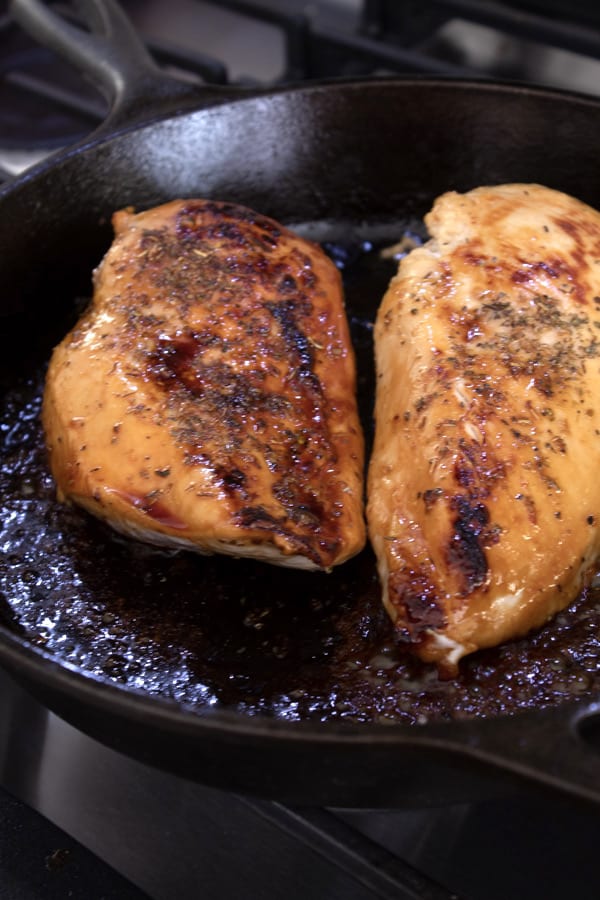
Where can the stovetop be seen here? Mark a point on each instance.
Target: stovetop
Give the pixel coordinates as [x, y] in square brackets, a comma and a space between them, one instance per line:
[80, 820]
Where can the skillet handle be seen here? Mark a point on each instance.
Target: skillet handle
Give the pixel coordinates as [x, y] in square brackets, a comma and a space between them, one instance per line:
[556, 748]
[115, 57]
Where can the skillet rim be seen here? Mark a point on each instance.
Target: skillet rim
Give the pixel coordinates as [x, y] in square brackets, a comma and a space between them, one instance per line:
[218, 96]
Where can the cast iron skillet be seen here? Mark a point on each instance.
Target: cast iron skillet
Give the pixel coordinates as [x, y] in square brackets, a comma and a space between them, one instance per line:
[235, 674]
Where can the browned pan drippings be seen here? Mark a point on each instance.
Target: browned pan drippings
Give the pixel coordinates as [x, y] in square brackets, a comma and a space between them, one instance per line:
[207, 630]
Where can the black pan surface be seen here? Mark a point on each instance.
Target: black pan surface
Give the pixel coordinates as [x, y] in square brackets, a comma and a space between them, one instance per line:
[233, 672]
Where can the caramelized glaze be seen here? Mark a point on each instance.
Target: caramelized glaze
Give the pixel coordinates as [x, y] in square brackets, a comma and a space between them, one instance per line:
[209, 631]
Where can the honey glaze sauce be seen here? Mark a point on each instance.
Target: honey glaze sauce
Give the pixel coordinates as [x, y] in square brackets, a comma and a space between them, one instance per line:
[211, 631]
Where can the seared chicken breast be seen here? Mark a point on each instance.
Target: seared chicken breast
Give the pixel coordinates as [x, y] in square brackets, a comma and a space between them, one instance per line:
[206, 399]
[483, 494]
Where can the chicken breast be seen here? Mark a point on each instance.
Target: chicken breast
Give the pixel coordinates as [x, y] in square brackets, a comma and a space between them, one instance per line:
[484, 500]
[206, 399]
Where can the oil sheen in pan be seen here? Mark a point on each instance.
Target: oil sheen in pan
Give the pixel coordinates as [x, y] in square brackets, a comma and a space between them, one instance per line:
[204, 630]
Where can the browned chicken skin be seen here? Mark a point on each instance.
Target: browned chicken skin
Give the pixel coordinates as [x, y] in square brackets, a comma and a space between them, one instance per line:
[484, 500]
[206, 400]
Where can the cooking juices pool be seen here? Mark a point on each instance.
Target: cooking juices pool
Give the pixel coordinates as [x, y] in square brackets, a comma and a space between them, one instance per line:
[216, 631]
